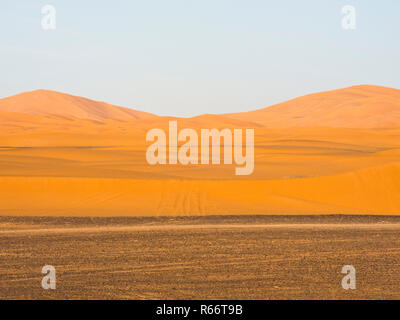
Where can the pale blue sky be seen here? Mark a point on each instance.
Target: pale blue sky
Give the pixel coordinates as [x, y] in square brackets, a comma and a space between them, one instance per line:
[184, 57]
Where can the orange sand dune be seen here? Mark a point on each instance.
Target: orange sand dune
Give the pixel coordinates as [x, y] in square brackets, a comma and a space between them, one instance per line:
[333, 152]
[46, 102]
[348, 193]
[354, 107]
[279, 154]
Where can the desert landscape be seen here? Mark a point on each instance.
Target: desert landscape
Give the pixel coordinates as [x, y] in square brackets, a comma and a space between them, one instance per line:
[335, 152]
[77, 193]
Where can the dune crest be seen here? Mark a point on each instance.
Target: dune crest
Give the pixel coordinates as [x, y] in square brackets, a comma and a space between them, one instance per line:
[333, 152]
[362, 106]
[46, 103]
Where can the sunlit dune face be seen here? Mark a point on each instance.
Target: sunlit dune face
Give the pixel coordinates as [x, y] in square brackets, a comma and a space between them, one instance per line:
[334, 152]
[354, 107]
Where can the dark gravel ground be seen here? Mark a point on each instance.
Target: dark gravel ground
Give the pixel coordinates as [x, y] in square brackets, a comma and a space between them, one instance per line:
[218, 257]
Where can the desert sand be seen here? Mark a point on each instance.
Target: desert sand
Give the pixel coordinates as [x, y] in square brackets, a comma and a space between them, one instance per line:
[354, 107]
[335, 152]
[77, 193]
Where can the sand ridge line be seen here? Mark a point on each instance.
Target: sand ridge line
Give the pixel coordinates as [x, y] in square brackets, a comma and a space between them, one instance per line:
[97, 229]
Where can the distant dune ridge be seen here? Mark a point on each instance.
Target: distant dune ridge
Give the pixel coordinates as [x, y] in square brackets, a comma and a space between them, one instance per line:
[354, 107]
[46, 103]
[325, 153]
[363, 106]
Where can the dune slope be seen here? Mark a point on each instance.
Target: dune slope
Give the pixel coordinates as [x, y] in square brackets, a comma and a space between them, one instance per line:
[46, 102]
[354, 107]
[366, 191]
[328, 153]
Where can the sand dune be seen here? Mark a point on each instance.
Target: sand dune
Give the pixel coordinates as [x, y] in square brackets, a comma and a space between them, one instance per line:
[46, 102]
[327, 153]
[355, 107]
[366, 191]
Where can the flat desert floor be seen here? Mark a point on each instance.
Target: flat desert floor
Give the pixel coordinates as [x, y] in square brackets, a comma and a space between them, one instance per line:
[214, 257]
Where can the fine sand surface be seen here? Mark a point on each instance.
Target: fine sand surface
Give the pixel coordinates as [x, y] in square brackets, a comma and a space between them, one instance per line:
[214, 257]
[297, 171]
[335, 152]
[354, 107]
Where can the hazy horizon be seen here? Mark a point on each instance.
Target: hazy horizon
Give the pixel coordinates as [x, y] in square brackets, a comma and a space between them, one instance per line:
[192, 115]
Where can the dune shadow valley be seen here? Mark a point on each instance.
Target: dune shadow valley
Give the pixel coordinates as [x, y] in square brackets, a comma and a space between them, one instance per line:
[77, 192]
